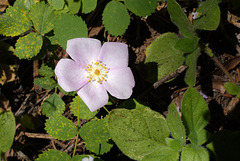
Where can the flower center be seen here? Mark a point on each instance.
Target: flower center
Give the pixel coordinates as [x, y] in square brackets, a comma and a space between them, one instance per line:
[97, 71]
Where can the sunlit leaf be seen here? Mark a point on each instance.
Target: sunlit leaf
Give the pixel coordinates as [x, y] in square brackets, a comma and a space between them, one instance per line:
[28, 46]
[195, 115]
[141, 7]
[137, 132]
[162, 54]
[46, 83]
[79, 108]
[14, 22]
[193, 152]
[42, 16]
[7, 130]
[68, 27]
[60, 127]
[55, 155]
[53, 106]
[115, 18]
[88, 5]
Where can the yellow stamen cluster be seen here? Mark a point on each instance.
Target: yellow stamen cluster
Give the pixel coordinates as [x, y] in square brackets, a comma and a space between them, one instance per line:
[97, 71]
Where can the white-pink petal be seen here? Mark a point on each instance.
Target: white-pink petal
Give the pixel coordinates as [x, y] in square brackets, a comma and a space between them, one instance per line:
[120, 82]
[94, 95]
[114, 54]
[70, 75]
[83, 50]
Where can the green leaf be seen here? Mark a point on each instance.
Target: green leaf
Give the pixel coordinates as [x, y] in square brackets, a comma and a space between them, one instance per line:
[79, 109]
[163, 153]
[137, 132]
[180, 19]
[162, 52]
[174, 144]
[115, 18]
[75, 26]
[196, 153]
[225, 144]
[141, 8]
[131, 104]
[42, 16]
[191, 62]
[96, 136]
[210, 18]
[195, 115]
[98, 148]
[59, 127]
[14, 22]
[66, 93]
[88, 6]
[55, 155]
[46, 71]
[232, 88]
[53, 106]
[57, 4]
[187, 45]
[28, 46]
[175, 125]
[7, 130]
[74, 6]
[46, 83]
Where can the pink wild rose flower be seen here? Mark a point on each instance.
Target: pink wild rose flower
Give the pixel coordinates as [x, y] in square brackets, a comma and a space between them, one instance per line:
[95, 70]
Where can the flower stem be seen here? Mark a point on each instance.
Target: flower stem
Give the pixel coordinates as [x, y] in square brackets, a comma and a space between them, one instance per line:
[106, 109]
[78, 122]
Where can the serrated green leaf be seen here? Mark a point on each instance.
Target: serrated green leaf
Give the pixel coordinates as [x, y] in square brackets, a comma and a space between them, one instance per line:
[163, 153]
[210, 16]
[55, 155]
[162, 52]
[195, 115]
[225, 144]
[196, 153]
[131, 104]
[46, 71]
[191, 62]
[75, 26]
[180, 19]
[187, 45]
[53, 106]
[175, 125]
[66, 93]
[79, 109]
[96, 136]
[88, 6]
[231, 88]
[137, 132]
[14, 22]
[141, 8]
[28, 46]
[98, 148]
[74, 6]
[95, 130]
[57, 4]
[7, 130]
[59, 127]
[174, 144]
[46, 83]
[115, 18]
[43, 17]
